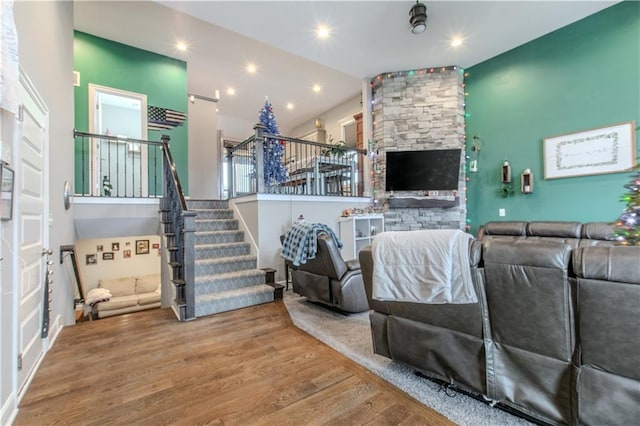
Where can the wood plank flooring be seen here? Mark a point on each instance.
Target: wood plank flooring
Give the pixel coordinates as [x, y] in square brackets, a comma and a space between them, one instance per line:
[247, 367]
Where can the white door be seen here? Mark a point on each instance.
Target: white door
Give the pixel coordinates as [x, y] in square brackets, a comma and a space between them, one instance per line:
[120, 163]
[31, 227]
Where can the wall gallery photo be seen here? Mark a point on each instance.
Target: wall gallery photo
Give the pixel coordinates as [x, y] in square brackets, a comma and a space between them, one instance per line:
[142, 246]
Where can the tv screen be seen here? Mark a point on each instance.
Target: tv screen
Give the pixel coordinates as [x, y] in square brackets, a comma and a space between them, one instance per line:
[435, 170]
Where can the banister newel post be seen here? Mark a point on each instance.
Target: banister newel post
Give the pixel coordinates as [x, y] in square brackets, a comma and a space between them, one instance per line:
[259, 165]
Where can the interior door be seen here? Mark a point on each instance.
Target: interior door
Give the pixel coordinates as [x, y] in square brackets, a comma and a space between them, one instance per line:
[120, 164]
[31, 226]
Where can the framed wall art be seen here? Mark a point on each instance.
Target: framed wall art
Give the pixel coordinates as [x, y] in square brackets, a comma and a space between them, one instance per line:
[142, 246]
[604, 150]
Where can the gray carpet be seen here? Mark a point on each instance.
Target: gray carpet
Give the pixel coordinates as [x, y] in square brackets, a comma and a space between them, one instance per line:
[351, 336]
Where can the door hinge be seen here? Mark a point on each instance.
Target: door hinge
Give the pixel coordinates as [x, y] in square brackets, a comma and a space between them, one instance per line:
[21, 113]
[19, 362]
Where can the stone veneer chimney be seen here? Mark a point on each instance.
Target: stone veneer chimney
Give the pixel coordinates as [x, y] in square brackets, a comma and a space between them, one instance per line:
[416, 111]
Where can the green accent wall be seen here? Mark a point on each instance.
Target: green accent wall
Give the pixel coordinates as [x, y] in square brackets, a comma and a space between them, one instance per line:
[580, 77]
[162, 79]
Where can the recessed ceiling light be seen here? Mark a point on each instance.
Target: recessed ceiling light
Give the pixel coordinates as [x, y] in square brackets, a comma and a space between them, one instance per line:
[456, 41]
[323, 31]
[252, 68]
[182, 46]
[231, 91]
[317, 88]
[290, 105]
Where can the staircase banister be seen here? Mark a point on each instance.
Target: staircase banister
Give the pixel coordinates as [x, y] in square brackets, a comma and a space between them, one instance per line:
[173, 171]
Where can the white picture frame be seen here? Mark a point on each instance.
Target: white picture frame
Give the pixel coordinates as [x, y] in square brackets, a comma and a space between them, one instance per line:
[598, 151]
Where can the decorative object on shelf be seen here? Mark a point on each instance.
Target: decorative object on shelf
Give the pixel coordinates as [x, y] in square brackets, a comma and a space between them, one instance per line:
[506, 189]
[274, 171]
[505, 176]
[106, 186]
[605, 150]
[627, 227]
[475, 150]
[526, 181]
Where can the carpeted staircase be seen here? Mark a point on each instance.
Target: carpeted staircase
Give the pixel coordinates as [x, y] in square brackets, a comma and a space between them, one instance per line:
[226, 277]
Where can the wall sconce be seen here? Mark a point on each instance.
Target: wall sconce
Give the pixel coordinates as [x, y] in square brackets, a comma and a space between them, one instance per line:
[505, 175]
[526, 181]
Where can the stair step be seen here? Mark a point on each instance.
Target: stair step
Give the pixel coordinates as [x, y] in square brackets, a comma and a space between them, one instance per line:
[207, 204]
[234, 299]
[216, 224]
[223, 265]
[214, 213]
[209, 284]
[218, 237]
[210, 251]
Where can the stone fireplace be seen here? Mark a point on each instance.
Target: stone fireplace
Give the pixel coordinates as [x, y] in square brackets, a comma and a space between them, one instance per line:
[415, 111]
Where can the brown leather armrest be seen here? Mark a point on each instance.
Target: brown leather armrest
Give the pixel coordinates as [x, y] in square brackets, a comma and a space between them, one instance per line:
[353, 265]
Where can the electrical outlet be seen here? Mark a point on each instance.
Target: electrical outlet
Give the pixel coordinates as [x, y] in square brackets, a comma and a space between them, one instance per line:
[502, 212]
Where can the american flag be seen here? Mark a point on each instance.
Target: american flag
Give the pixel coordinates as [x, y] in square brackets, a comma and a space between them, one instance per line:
[162, 118]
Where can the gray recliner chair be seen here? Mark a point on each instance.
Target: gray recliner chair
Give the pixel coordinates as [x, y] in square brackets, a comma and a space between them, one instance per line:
[329, 280]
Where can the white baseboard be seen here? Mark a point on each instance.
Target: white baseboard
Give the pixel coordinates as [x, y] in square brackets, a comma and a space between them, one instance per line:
[9, 410]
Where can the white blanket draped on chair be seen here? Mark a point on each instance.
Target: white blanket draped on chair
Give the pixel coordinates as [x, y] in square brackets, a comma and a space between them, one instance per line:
[430, 266]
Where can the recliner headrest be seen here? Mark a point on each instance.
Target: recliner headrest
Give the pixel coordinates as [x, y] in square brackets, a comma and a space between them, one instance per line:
[554, 229]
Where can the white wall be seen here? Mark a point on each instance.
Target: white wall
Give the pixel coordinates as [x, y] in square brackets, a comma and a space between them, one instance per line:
[331, 119]
[120, 266]
[204, 150]
[269, 216]
[104, 217]
[45, 33]
[236, 128]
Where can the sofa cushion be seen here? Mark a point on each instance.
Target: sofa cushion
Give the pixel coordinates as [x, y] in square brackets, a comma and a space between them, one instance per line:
[118, 303]
[147, 283]
[119, 286]
[147, 298]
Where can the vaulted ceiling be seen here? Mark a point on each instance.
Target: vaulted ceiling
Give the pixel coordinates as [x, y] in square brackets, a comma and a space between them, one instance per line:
[366, 38]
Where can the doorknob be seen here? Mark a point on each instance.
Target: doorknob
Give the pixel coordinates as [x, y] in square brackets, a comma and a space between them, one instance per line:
[47, 252]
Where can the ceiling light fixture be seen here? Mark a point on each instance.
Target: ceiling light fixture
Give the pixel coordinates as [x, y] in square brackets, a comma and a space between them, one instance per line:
[290, 105]
[316, 88]
[456, 42]
[181, 46]
[251, 68]
[231, 91]
[418, 18]
[323, 31]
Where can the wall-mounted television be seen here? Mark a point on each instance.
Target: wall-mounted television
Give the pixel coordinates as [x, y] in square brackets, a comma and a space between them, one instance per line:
[432, 170]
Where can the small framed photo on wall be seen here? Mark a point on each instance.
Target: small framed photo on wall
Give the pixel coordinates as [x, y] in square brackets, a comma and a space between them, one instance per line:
[115, 246]
[126, 254]
[92, 259]
[107, 255]
[142, 246]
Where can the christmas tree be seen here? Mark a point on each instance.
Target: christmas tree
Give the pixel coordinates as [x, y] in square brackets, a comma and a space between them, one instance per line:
[627, 227]
[274, 170]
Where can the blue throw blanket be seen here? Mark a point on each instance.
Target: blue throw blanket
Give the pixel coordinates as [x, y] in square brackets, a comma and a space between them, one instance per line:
[301, 241]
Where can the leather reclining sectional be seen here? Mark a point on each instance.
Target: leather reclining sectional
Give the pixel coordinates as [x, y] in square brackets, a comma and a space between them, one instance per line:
[555, 334]
[329, 279]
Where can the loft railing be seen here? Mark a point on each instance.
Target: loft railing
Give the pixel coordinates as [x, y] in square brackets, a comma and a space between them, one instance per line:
[117, 166]
[144, 169]
[273, 164]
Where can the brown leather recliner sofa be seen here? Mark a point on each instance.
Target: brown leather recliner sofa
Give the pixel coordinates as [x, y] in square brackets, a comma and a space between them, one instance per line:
[554, 335]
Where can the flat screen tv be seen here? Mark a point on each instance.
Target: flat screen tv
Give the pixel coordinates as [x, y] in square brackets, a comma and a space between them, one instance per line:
[434, 170]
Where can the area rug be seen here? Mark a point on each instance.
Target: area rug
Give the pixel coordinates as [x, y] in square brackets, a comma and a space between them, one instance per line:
[351, 336]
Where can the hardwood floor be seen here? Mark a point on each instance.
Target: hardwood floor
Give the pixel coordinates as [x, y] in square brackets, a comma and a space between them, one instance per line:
[247, 367]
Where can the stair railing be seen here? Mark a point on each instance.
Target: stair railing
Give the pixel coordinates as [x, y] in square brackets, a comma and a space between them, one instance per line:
[179, 229]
